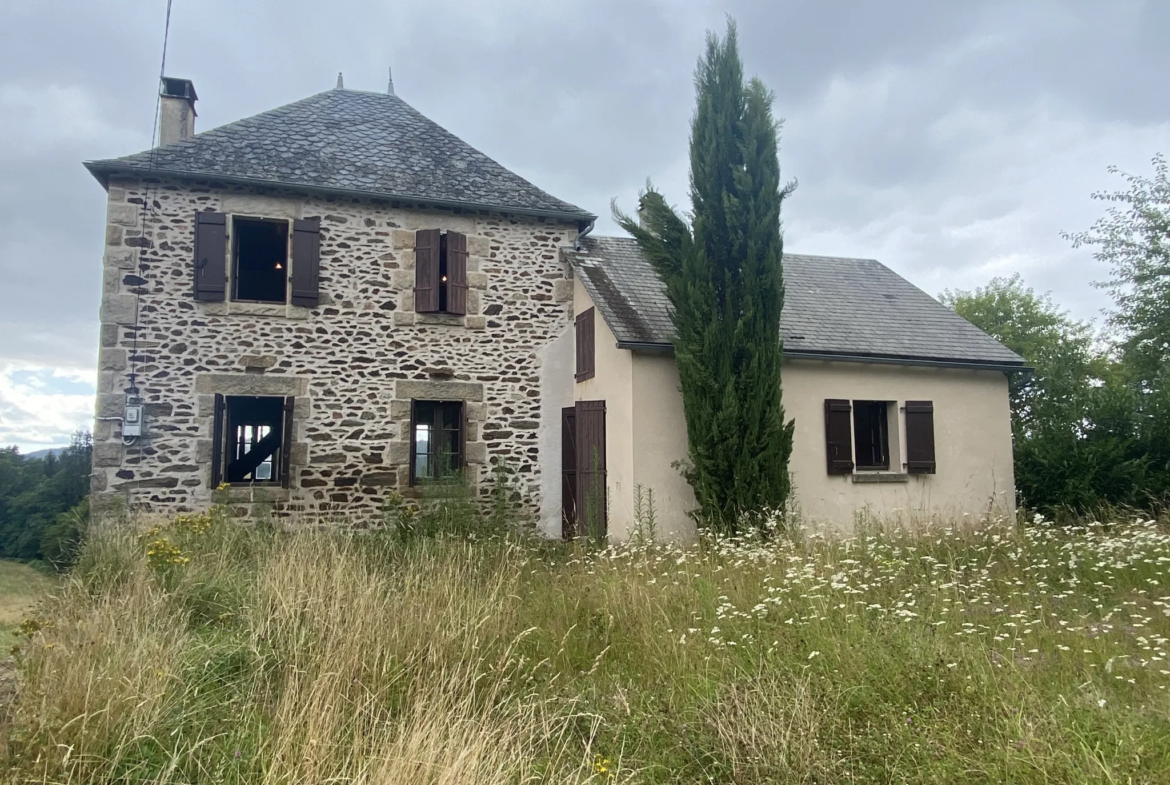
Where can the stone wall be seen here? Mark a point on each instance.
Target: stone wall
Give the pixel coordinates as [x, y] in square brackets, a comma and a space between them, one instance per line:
[353, 363]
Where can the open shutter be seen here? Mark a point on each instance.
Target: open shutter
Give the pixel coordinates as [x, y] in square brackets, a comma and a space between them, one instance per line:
[286, 442]
[210, 256]
[569, 472]
[456, 273]
[585, 345]
[839, 436]
[217, 441]
[920, 437]
[591, 477]
[426, 271]
[463, 434]
[410, 440]
[306, 262]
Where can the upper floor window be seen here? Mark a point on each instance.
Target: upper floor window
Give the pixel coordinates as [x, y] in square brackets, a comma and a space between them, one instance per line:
[264, 260]
[583, 335]
[259, 260]
[440, 272]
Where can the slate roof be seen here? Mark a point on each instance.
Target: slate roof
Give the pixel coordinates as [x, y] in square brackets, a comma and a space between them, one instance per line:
[832, 306]
[354, 142]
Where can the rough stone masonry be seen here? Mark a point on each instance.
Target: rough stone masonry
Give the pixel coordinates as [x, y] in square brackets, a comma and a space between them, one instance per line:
[353, 363]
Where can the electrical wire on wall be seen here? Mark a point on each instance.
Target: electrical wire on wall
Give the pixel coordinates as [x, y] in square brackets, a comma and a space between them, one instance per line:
[134, 401]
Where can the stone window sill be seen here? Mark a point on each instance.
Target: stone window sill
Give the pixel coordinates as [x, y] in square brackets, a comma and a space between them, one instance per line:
[880, 477]
[237, 308]
[258, 492]
[449, 319]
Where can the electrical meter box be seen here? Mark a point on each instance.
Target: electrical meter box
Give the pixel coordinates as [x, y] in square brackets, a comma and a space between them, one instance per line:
[132, 421]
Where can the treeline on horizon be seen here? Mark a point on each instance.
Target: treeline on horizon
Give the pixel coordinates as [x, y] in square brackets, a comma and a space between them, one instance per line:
[44, 503]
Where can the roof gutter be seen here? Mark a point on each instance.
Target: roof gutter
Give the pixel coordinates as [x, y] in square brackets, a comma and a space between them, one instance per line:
[101, 171]
[923, 361]
[646, 346]
[652, 347]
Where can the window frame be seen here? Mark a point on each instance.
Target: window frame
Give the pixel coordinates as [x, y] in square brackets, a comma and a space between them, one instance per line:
[226, 429]
[234, 257]
[459, 408]
[883, 441]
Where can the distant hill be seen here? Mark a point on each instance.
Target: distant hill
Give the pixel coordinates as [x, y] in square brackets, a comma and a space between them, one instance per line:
[36, 454]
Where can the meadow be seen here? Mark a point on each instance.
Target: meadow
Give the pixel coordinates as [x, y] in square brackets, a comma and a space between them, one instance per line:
[213, 650]
[21, 587]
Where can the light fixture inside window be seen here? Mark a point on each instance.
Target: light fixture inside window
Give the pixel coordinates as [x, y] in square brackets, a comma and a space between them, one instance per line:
[279, 266]
[443, 279]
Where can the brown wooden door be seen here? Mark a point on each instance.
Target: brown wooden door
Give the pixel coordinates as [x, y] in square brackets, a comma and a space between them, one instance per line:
[591, 476]
[569, 472]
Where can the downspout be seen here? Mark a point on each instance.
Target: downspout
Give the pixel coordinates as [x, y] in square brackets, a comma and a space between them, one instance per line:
[582, 232]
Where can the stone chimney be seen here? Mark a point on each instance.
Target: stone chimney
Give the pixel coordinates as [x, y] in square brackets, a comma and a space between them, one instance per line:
[176, 111]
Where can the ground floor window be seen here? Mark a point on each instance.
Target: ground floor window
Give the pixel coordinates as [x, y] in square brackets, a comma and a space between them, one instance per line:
[250, 439]
[437, 435]
[871, 435]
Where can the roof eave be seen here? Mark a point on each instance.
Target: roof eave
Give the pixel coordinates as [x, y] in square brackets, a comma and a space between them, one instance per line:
[657, 347]
[102, 170]
[929, 362]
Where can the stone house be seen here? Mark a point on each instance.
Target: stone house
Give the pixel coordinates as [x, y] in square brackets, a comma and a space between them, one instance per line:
[338, 298]
[323, 302]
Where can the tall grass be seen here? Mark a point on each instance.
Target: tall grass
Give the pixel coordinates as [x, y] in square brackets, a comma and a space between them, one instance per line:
[207, 651]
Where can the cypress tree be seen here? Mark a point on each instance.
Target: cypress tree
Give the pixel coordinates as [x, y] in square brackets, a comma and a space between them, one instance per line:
[724, 283]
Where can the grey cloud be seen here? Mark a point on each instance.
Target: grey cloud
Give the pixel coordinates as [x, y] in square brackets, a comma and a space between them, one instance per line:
[951, 140]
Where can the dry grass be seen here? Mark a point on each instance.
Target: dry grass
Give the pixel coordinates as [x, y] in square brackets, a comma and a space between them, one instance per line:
[21, 587]
[211, 652]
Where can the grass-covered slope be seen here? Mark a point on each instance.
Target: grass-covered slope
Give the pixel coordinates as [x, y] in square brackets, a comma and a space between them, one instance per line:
[213, 652]
[21, 587]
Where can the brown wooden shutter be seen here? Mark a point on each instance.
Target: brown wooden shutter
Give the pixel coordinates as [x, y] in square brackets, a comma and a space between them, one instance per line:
[591, 476]
[569, 472]
[426, 271]
[306, 262]
[839, 435]
[585, 345]
[217, 441]
[920, 437]
[456, 273]
[463, 434]
[410, 440]
[286, 442]
[210, 256]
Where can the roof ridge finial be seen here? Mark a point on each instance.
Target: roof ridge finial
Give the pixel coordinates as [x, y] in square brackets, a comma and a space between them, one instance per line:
[340, 81]
[390, 88]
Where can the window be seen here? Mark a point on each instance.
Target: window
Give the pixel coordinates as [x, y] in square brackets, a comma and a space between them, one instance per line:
[440, 272]
[259, 259]
[871, 435]
[250, 444]
[585, 345]
[436, 440]
[858, 435]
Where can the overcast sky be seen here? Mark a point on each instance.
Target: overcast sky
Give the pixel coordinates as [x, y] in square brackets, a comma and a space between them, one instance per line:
[952, 141]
